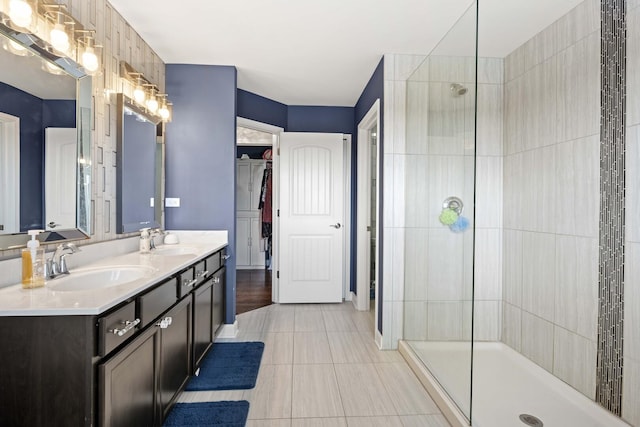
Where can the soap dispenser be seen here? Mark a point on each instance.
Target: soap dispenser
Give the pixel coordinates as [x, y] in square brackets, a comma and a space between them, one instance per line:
[33, 263]
[145, 241]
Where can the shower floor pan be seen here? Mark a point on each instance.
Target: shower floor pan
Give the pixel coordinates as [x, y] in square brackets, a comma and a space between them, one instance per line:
[506, 386]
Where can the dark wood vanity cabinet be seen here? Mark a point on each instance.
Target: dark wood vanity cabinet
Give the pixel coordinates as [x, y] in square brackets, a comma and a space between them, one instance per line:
[202, 321]
[74, 371]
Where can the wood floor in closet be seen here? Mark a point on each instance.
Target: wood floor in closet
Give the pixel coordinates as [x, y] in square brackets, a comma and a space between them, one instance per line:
[253, 289]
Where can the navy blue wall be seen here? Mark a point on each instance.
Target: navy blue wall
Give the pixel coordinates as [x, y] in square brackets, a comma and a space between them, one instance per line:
[373, 91]
[35, 114]
[302, 118]
[200, 156]
[261, 109]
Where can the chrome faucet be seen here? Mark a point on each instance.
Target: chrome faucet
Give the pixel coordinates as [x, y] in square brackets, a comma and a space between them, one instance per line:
[57, 264]
[153, 233]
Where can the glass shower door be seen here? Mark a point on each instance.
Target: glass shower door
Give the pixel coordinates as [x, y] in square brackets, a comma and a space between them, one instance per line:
[440, 186]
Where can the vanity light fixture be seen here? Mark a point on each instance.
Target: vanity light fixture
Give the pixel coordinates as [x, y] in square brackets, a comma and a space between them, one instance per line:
[152, 101]
[16, 48]
[52, 68]
[144, 93]
[88, 59]
[165, 109]
[139, 94]
[20, 13]
[58, 36]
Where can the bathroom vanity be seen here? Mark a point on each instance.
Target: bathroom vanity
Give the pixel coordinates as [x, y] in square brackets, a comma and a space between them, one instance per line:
[114, 354]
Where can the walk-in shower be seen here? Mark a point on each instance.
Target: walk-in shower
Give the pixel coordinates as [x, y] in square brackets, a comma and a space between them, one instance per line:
[509, 208]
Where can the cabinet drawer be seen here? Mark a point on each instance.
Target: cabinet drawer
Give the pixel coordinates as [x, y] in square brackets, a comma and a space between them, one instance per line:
[116, 328]
[201, 271]
[186, 282]
[157, 301]
[214, 262]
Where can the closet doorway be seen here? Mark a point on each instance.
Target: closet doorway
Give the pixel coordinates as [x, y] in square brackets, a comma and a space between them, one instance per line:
[256, 192]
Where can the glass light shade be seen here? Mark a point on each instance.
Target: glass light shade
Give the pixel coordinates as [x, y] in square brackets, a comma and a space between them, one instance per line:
[52, 68]
[152, 104]
[90, 60]
[20, 13]
[16, 48]
[164, 112]
[59, 38]
[139, 95]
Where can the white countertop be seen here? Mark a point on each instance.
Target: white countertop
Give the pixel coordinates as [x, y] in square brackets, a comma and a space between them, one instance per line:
[46, 301]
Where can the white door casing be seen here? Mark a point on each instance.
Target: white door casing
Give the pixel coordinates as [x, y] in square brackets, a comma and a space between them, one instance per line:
[60, 178]
[311, 218]
[363, 234]
[9, 174]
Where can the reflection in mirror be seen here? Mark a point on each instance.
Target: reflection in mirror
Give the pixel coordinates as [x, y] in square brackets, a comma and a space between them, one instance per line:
[139, 141]
[45, 134]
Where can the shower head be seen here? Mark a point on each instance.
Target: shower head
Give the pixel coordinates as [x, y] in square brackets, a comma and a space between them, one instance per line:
[457, 89]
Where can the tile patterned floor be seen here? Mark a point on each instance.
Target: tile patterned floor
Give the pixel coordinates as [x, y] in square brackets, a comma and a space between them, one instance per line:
[321, 368]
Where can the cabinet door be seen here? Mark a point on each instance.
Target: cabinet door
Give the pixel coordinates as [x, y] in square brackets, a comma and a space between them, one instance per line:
[202, 323]
[217, 308]
[175, 353]
[257, 256]
[243, 185]
[127, 396]
[243, 234]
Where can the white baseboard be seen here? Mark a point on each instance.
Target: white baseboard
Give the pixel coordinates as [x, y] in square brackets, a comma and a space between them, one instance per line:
[228, 330]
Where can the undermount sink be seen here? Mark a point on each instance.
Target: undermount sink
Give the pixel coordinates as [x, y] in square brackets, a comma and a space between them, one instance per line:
[175, 250]
[99, 278]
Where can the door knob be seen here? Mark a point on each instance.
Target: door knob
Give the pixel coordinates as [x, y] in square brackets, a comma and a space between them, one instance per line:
[337, 225]
[53, 224]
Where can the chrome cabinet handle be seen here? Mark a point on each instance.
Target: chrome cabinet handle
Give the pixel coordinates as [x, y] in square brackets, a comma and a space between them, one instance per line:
[202, 273]
[189, 283]
[216, 280]
[226, 256]
[337, 225]
[165, 323]
[128, 325]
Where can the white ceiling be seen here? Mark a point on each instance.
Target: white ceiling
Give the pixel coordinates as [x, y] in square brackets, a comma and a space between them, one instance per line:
[321, 53]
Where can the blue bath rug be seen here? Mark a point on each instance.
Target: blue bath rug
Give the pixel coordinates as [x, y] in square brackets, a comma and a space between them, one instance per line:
[229, 366]
[204, 414]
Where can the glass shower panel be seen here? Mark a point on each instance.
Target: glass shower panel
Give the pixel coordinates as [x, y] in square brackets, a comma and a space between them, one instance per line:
[440, 186]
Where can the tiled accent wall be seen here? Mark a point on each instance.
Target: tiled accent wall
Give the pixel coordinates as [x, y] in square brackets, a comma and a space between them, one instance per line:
[631, 348]
[119, 41]
[612, 199]
[551, 197]
[439, 162]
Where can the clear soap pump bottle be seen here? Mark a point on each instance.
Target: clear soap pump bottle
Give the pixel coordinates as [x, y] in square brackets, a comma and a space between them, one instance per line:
[145, 241]
[33, 263]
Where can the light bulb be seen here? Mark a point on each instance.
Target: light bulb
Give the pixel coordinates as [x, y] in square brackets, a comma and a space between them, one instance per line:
[139, 95]
[20, 13]
[164, 112]
[59, 38]
[90, 60]
[52, 68]
[152, 104]
[16, 48]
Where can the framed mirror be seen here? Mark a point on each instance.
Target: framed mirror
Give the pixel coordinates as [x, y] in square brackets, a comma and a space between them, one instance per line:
[45, 143]
[138, 167]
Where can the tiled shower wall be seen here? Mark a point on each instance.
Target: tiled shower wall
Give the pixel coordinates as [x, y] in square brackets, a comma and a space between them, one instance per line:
[631, 349]
[551, 197]
[438, 163]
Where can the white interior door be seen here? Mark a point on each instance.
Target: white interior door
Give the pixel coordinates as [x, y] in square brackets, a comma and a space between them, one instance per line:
[311, 218]
[9, 174]
[60, 178]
